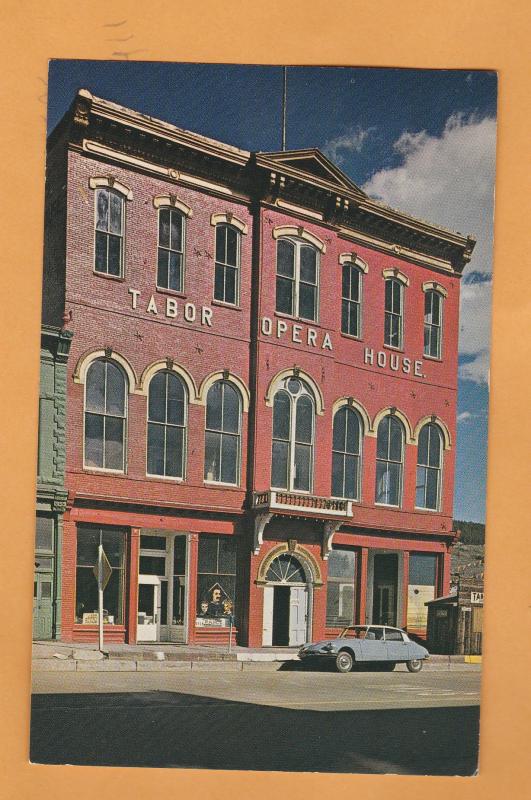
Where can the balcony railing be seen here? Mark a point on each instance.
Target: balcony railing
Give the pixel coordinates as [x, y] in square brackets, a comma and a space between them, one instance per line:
[310, 504]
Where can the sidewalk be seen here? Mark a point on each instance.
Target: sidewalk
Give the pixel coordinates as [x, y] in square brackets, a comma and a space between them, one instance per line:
[63, 657]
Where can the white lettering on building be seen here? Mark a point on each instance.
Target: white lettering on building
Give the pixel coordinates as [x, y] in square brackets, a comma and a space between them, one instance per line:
[394, 361]
[189, 313]
[298, 333]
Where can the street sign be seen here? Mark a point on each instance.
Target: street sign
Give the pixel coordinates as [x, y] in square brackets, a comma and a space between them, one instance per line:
[106, 571]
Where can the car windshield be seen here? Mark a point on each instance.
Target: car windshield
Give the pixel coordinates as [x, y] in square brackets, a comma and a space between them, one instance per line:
[355, 632]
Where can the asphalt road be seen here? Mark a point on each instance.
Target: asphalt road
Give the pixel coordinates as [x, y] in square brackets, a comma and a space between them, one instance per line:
[263, 720]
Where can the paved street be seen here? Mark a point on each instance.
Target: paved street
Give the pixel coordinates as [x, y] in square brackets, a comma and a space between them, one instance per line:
[260, 719]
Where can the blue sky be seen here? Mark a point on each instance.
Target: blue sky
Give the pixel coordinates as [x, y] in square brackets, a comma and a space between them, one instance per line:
[420, 140]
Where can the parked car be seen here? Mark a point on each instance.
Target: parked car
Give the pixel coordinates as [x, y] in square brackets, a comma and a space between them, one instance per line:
[380, 645]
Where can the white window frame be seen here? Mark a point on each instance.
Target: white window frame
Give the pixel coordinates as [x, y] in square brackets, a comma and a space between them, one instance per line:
[389, 461]
[174, 478]
[210, 481]
[432, 292]
[90, 467]
[359, 303]
[299, 244]
[357, 497]
[439, 468]
[393, 314]
[119, 193]
[183, 215]
[291, 440]
[238, 232]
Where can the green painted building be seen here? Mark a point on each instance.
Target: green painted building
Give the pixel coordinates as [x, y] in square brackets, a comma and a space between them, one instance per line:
[51, 492]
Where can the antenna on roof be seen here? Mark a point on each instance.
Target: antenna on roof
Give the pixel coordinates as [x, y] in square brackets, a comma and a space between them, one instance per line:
[284, 97]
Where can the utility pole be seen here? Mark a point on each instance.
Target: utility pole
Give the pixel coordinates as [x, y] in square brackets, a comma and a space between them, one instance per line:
[284, 98]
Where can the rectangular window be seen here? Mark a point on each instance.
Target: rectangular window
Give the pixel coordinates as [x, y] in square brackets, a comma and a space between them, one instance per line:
[393, 330]
[109, 236]
[113, 541]
[216, 576]
[432, 324]
[297, 279]
[340, 588]
[44, 533]
[226, 278]
[351, 300]
[170, 256]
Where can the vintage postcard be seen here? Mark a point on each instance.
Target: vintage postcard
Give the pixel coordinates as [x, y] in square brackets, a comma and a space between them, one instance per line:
[263, 417]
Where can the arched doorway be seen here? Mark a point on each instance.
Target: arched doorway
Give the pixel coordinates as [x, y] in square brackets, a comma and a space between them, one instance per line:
[287, 601]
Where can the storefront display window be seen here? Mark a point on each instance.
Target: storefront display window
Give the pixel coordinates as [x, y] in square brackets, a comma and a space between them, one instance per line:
[421, 589]
[340, 588]
[216, 578]
[113, 541]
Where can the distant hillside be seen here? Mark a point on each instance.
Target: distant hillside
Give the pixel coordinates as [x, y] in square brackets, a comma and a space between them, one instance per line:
[471, 532]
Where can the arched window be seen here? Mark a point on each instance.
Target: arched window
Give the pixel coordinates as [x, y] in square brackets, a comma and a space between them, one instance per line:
[432, 323]
[226, 277]
[351, 299]
[429, 468]
[346, 454]
[170, 254]
[293, 432]
[285, 568]
[222, 436]
[166, 440]
[389, 461]
[105, 416]
[394, 313]
[297, 278]
[109, 243]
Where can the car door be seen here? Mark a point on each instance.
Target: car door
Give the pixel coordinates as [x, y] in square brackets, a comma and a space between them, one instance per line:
[373, 645]
[397, 647]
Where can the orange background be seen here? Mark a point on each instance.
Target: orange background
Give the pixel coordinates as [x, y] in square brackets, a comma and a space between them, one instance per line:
[470, 34]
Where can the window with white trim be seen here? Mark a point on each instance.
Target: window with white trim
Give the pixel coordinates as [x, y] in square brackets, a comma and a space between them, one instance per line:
[389, 461]
[346, 454]
[105, 416]
[222, 435]
[170, 253]
[293, 435]
[226, 276]
[340, 598]
[166, 441]
[297, 279]
[394, 313]
[109, 233]
[429, 467]
[351, 299]
[433, 302]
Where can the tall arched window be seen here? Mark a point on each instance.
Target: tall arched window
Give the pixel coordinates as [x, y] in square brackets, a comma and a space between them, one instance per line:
[432, 324]
[346, 454]
[105, 416]
[394, 313]
[293, 433]
[226, 277]
[109, 232]
[222, 435]
[429, 468]
[389, 461]
[170, 254]
[297, 278]
[166, 442]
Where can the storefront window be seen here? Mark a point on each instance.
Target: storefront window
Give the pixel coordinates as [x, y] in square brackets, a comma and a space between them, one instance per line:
[340, 588]
[113, 541]
[216, 578]
[421, 589]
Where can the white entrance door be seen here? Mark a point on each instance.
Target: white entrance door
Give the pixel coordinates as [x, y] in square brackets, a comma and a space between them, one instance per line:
[267, 629]
[148, 620]
[298, 615]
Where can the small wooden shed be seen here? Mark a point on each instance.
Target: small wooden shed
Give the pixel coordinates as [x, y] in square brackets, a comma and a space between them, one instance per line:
[455, 622]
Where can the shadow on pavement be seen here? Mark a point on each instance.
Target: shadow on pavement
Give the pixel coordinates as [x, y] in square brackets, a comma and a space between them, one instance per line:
[172, 729]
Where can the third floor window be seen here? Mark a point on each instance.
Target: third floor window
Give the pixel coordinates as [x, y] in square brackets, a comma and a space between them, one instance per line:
[297, 279]
[170, 255]
[226, 279]
[394, 313]
[109, 239]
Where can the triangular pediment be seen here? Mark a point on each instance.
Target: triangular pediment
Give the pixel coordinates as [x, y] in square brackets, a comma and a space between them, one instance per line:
[313, 163]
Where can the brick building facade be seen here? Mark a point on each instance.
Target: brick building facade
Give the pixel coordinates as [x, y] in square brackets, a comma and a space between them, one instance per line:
[261, 388]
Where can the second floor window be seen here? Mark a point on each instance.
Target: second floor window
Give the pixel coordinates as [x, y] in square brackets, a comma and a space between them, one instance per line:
[109, 241]
[432, 324]
[297, 279]
[222, 435]
[105, 415]
[351, 300]
[429, 468]
[293, 433]
[226, 278]
[166, 426]
[394, 313]
[389, 461]
[170, 256]
[346, 454]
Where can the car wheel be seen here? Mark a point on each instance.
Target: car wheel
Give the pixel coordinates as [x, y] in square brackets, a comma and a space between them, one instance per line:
[344, 661]
[415, 665]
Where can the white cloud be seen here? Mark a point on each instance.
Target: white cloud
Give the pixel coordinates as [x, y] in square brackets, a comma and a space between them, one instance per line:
[449, 180]
[464, 416]
[467, 416]
[350, 142]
